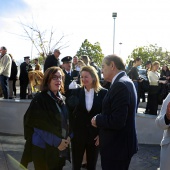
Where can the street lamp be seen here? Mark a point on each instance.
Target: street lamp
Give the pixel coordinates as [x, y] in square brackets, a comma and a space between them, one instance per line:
[114, 15]
[120, 47]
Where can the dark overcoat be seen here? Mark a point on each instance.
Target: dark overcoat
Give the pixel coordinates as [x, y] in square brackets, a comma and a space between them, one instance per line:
[118, 140]
[43, 114]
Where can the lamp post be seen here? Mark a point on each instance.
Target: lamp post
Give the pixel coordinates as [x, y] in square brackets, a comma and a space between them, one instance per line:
[120, 47]
[114, 15]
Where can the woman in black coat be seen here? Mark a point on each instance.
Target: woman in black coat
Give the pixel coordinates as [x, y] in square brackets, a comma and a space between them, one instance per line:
[89, 104]
[46, 128]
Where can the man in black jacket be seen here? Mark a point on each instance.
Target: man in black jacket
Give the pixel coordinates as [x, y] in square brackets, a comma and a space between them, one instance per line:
[117, 136]
[25, 67]
[70, 74]
[52, 60]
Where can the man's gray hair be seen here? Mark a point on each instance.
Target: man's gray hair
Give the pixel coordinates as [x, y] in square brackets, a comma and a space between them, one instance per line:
[117, 61]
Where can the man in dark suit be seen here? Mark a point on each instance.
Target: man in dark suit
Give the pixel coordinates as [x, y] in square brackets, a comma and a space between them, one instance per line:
[25, 67]
[70, 74]
[52, 60]
[117, 137]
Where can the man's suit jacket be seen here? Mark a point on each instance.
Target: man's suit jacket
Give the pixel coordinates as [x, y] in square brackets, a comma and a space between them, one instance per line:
[117, 135]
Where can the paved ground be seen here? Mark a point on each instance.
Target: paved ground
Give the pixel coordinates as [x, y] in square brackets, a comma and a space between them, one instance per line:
[11, 148]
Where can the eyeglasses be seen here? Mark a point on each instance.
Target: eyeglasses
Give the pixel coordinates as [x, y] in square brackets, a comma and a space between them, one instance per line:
[57, 78]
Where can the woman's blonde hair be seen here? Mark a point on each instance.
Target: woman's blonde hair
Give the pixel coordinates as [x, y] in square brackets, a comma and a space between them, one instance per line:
[81, 63]
[93, 72]
[154, 64]
[48, 75]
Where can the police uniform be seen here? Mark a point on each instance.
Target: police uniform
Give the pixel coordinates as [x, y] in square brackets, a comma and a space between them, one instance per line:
[69, 77]
[24, 80]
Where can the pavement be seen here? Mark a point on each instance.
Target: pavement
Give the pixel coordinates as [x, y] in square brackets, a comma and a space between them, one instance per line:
[11, 148]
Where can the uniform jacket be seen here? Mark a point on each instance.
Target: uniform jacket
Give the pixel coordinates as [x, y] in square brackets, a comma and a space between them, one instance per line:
[68, 80]
[118, 140]
[24, 69]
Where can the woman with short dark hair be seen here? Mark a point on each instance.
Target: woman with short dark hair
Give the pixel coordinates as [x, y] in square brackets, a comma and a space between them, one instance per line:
[46, 128]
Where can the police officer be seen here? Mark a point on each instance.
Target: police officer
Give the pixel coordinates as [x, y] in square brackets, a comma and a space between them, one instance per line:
[25, 67]
[70, 74]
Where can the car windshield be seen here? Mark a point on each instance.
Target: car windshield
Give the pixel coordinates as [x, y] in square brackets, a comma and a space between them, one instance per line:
[142, 73]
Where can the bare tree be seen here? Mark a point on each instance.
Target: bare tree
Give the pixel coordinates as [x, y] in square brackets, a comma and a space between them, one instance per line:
[42, 42]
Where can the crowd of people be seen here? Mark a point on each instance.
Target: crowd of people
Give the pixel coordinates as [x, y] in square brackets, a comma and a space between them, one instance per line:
[156, 83]
[74, 105]
[9, 75]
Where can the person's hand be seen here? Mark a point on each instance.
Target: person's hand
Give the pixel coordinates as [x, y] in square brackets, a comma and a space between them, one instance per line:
[97, 140]
[93, 121]
[163, 81]
[140, 80]
[68, 139]
[63, 145]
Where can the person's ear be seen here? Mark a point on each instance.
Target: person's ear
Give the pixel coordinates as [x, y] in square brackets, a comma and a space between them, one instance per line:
[112, 65]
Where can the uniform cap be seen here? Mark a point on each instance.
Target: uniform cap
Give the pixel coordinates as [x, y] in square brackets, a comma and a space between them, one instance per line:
[67, 59]
[27, 57]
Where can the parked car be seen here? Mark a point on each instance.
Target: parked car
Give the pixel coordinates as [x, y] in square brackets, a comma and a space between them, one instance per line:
[142, 74]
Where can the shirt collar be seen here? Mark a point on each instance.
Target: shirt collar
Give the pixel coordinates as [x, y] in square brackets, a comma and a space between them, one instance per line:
[114, 78]
[68, 71]
[91, 90]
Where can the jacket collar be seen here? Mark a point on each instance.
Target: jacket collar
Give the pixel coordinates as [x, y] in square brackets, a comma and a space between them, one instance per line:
[119, 76]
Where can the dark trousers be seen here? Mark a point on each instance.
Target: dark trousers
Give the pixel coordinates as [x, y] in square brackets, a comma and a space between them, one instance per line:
[40, 160]
[78, 149]
[4, 85]
[152, 105]
[137, 91]
[115, 164]
[23, 89]
[14, 87]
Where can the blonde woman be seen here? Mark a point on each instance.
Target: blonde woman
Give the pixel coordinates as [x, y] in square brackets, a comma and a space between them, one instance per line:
[90, 97]
[154, 89]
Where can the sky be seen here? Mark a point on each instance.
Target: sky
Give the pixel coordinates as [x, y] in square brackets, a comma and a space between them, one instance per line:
[138, 23]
